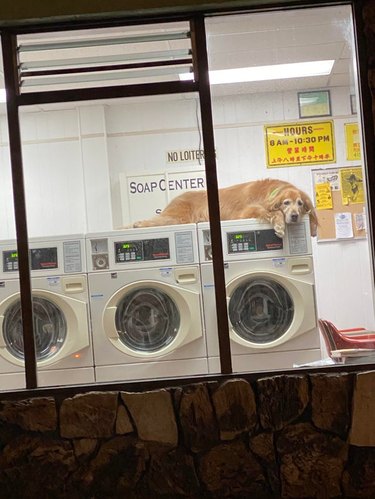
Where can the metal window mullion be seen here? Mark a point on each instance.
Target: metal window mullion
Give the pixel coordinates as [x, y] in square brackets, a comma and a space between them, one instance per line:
[366, 116]
[9, 49]
[200, 58]
[102, 93]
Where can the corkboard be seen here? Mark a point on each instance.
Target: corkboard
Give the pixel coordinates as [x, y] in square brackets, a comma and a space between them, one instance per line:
[326, 217]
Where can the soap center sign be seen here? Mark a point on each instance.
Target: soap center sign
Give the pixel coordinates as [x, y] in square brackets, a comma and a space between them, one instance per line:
[144, 196]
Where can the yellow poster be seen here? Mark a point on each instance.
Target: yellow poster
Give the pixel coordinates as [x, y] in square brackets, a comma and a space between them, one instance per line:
[323, 196]
[352, 189]
[353, 146]
[294, 144]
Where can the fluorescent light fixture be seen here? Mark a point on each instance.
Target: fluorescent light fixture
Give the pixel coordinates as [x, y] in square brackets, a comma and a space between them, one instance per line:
[3, 95]
[262, 73]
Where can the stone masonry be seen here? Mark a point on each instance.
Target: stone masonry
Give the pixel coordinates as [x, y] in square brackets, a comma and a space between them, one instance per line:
[284, 436]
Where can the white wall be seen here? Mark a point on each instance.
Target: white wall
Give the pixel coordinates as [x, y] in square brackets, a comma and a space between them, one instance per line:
[139, 135]
[94, 158]
[65, 171]
[344, 280]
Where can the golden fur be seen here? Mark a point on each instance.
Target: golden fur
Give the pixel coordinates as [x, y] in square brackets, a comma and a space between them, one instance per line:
[271, 200]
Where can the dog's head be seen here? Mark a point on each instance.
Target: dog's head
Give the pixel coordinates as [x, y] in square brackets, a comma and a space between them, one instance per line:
[294, 204]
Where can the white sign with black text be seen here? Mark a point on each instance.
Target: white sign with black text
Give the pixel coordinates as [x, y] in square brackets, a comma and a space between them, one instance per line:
[144, 196]
[184, 156]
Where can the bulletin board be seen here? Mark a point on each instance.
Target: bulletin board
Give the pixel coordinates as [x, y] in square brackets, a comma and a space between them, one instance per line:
[340, 203]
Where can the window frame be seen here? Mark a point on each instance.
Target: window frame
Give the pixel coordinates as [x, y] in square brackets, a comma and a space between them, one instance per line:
[201, 85]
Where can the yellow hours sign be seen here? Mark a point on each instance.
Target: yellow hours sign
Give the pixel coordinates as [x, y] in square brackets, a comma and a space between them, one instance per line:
[295, 144]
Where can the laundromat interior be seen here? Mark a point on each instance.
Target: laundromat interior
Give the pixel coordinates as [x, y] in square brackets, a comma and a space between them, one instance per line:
[94, 167]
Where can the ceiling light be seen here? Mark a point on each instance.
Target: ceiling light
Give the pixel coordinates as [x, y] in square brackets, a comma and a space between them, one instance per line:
[262, 73]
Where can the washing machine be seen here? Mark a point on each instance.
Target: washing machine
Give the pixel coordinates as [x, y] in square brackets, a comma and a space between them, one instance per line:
[60, 313]
[146, 303]
[270, 296]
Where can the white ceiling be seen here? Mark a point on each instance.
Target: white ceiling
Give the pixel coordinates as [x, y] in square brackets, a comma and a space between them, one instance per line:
[252, 40]
[284, 37]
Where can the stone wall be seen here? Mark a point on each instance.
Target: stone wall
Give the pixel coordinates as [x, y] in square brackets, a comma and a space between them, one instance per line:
[284, 436]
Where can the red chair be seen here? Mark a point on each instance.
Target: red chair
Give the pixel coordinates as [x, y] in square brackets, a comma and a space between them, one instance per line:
[350, 340]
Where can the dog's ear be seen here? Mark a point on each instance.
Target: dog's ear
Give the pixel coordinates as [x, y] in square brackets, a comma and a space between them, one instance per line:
[310, 210]
[276, 202]
[274, 199]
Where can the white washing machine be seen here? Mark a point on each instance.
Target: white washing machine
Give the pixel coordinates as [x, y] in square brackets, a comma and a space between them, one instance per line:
[146, 303]
[270, 296]
[60, 313]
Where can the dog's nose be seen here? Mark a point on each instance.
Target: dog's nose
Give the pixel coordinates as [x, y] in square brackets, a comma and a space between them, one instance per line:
[294, 217]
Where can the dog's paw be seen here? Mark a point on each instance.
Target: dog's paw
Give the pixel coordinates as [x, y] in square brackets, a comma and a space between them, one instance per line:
[142, 223]
[279, 230]
[279, 227]
[278, 224]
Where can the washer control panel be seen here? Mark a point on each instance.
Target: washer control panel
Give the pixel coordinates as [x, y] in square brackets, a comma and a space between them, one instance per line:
[253, 240]
[64, 257]
[144, 250]
[146, 247]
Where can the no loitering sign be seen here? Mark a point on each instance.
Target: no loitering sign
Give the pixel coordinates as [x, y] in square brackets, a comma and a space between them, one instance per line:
[185, 156]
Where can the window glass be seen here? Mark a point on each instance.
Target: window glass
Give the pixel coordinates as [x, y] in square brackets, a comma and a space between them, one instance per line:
[108, 56]
[289, 155]
[115, 298]
[124, 302]
[11, 369]
[144, 278]
[94, 168]
[123, 289]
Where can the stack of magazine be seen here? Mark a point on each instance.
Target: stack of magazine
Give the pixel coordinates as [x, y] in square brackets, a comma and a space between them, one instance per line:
[354, 355]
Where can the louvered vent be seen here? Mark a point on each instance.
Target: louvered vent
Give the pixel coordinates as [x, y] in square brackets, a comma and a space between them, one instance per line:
[104, 57]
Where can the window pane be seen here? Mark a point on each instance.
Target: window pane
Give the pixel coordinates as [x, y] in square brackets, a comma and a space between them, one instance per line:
[92, 170]
[285, 107]
[12, 374]
[103, 57]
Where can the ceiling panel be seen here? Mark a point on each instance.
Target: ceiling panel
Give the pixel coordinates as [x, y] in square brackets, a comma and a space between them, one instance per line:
[258, 39]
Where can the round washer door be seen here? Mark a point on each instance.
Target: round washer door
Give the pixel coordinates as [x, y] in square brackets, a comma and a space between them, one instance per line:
[260, 310]
[60, 323]
[151, 319]
[50, 328]
[266, 309]
[147, 319]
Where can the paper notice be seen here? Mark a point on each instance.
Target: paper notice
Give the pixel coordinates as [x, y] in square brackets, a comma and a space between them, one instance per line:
[323, 196]
[344, 227]
[360, 221]
[352, 190]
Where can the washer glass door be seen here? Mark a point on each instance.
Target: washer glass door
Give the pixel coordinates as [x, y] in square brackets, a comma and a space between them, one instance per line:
[260, 310]
[147, 319]
[50, 328]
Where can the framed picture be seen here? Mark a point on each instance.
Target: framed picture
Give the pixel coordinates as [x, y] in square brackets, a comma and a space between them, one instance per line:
[353, 104]
[314, 104]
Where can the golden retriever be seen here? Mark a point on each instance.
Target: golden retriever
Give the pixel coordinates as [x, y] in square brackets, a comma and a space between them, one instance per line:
[272, 200]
